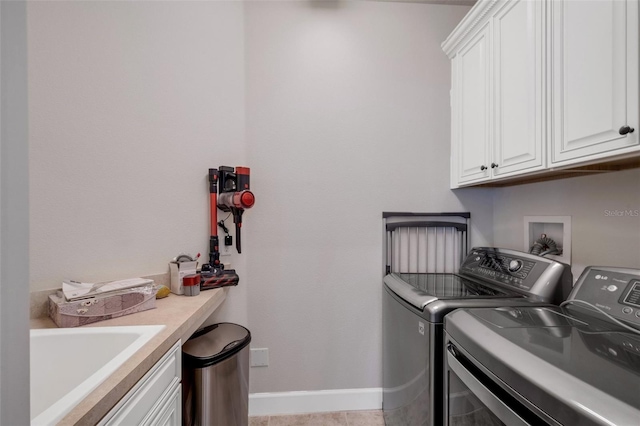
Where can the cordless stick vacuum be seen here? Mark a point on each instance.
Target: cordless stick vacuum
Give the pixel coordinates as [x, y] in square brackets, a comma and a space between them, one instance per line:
[235, 196]
[213, 274]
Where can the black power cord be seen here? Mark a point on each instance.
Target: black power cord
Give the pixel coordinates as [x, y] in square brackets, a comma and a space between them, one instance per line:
[228, 240]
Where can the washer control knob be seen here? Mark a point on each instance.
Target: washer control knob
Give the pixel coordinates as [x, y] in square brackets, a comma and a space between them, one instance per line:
[515, 265]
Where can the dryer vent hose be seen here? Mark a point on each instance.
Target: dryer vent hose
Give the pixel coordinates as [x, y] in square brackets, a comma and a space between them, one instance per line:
[544, 246]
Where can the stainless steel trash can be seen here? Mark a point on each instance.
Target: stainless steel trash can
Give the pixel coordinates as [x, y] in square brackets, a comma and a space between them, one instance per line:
[215, 376]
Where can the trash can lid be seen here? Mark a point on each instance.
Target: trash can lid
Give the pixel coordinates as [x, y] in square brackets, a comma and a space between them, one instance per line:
[215, 343]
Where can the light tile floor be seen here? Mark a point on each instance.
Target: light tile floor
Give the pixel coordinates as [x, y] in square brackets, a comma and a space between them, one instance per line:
[342, 418]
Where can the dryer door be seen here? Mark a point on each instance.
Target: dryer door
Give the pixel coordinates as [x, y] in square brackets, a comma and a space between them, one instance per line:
[475, 398]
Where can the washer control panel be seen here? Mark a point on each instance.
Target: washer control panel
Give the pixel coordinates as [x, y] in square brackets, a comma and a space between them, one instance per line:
[503, 268]
[614, 290]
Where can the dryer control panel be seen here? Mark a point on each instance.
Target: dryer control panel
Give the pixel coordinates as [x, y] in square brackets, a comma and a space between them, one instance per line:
[614, 290]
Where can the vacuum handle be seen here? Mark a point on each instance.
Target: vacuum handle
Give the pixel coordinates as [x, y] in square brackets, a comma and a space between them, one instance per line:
[237, 219]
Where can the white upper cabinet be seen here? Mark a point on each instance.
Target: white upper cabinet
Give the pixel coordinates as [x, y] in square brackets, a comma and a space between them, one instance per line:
[472, 105]
[595, 79]
[518, 74]
[497, 83]
[542, 85]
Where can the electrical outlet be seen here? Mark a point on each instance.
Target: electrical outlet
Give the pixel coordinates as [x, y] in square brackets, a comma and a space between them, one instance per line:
[225, 250]
[259, 357]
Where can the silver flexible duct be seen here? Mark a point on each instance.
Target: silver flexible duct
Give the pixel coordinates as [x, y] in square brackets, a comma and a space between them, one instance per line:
[544, 246]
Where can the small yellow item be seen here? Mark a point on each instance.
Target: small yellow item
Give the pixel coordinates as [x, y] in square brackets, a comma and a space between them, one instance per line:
[163, 291]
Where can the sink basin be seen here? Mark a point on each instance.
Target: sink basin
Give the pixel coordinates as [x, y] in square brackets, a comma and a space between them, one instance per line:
[68, 363]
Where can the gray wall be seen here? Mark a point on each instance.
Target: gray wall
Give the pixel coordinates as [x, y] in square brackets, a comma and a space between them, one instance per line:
[130, 104]
[347, 116]
[599, 236]
[339, 108]
[14, 224]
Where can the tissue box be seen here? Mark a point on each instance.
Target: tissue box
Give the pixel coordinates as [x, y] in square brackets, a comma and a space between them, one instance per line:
[178, 271]
[94, 309]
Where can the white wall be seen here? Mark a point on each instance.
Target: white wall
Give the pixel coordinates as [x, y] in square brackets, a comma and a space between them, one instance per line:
[347, 117]
[14, 224]
[599, 237]
[130, 104]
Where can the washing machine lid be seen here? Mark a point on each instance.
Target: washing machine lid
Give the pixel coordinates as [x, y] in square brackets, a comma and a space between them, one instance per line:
[575, 368]
[420, 290]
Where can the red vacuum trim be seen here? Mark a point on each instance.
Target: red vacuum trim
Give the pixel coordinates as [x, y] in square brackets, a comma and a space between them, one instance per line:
[247, 199]
[213, 225]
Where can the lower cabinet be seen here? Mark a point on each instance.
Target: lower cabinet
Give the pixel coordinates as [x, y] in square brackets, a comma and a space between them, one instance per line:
[170, 410]
[156, 399]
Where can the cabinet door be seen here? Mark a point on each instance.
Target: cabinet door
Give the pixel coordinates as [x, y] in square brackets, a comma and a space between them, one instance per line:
[595, 78]
[144, 400]
[170, 410]
[518, 88]
[471, 109]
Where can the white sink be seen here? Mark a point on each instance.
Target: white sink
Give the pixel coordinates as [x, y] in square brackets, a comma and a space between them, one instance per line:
[68, 363]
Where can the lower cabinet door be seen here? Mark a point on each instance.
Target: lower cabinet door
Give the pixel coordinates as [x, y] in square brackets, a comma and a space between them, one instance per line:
[147, 398]
[170, 410]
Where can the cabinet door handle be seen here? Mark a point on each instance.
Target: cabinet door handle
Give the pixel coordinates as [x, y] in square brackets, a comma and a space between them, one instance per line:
[626, 129]
[483, 167]
[494, 165]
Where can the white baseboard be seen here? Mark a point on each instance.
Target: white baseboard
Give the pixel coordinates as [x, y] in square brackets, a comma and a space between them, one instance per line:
[275, 403]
